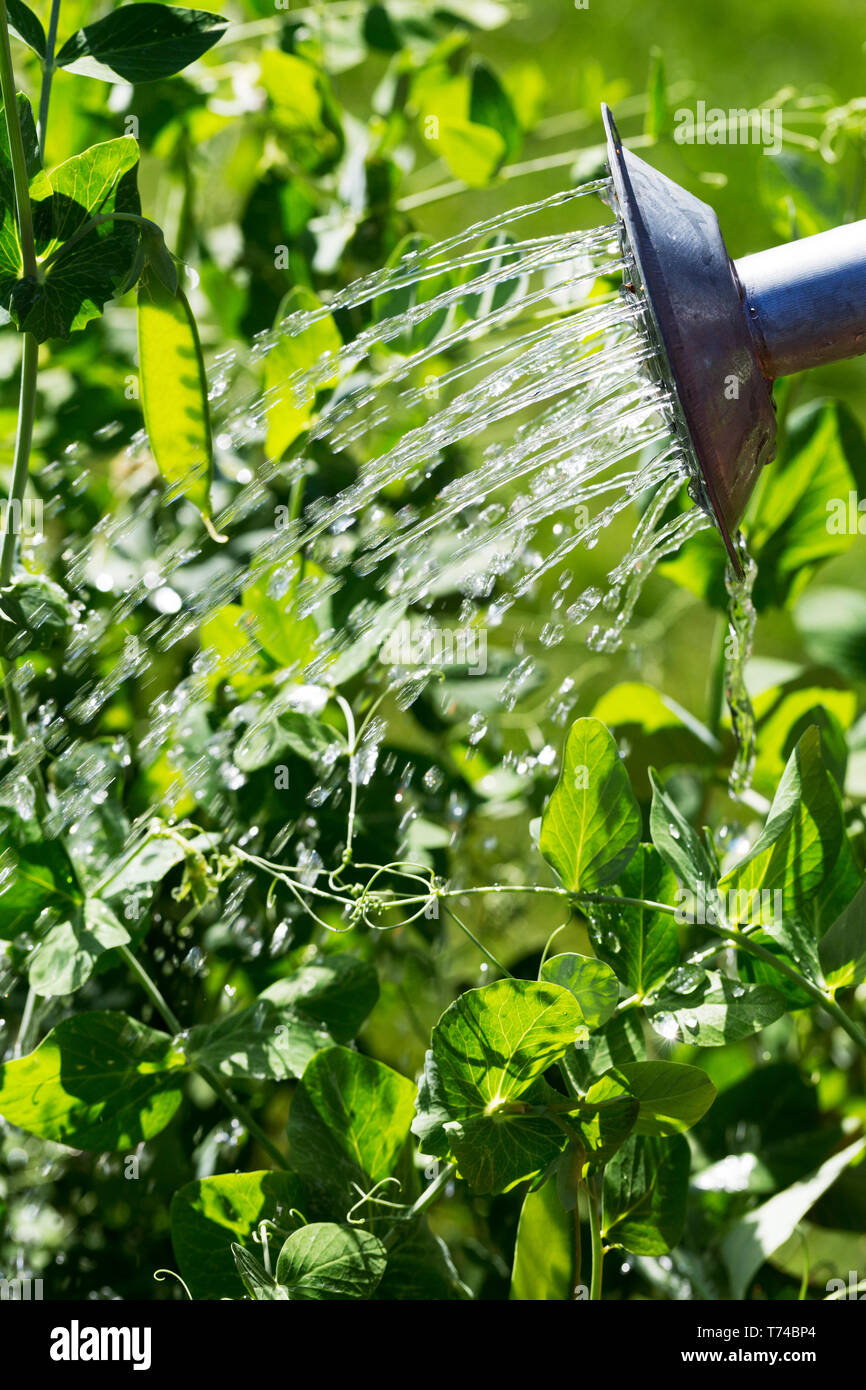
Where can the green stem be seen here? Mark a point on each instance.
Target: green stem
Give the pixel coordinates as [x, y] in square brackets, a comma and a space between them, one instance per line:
[229, 1100]
[240, 1111]
[716, 686]
[21, 461]
[352, 745]
[482, 948]
[24, 1025]
[826, 1001]
[296, 497]
[578, 1251]
[741, 941]
[47, 73]
[595, 1236]
[151, 989]
[16, 147]
[29, 368]
[437, 1186]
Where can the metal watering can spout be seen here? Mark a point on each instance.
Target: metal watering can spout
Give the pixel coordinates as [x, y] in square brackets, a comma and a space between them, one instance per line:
[724, 330]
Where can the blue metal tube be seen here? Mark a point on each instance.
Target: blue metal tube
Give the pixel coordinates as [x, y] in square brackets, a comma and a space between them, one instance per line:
[805, 301]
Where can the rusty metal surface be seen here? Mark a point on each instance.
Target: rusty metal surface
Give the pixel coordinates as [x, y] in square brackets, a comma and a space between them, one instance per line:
[706, 351]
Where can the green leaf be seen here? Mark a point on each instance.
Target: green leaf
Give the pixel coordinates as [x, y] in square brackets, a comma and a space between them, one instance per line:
[380, 30]
[842, 950]
[755, 1236]
[784, 712]
[640, 944]
[258, 1041]
[677, 843]
[473, 153]
[658, 731]
[337, 991]
[672, 1096]
[798, 846]
[290, 401]
[528, 89]
[419, 1268]
[208, 1215]
[799, 517]
[348, 1123]
[608, 1114]
[36, 876]
[288, 637]
[284, 731]
[78, 272]
[38, 612]
[620, 1040]
[543, 1269]
[591, 824]
[65, 957]
[304, 117]
[645, 1194]
[25, 25]
[379, 623]
[490, 105]
[145, 867]
[800, 514]
[97, 1081]
[326, 1261]
[718, 1011]
[592, 983]
[816, 1251]
[483, 1076]
[261, 1286]
[141, 42]
[323, 1003]
[174, 392]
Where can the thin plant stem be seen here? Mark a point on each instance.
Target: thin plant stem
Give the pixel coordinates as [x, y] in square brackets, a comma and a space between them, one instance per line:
[352, 744]
[716, 684]
[151, 989]
[595, 1236]
[240, 1111]
[21, 461]
[578, 1252]
[436, 1187]
[739, 939]
[27, 391]
[482, 948]
[25, 1024]
[47, 73]
[231, 1102]
[742, 942]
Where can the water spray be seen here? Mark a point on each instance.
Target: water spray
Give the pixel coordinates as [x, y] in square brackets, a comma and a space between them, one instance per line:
[724, 330]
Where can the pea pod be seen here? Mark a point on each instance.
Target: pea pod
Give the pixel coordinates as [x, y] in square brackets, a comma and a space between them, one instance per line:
[174, 392]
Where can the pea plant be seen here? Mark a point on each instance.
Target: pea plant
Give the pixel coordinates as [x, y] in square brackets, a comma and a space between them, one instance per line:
[390, 1124]
[547, 1083]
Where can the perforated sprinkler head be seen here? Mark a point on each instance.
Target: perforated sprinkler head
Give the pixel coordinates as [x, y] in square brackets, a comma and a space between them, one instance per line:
[724, 330]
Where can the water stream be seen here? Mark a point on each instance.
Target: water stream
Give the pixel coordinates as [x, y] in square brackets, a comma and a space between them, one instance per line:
[742, 618]
[491, 418]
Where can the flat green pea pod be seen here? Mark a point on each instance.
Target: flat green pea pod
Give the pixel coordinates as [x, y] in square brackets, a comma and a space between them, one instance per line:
[174, 392]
